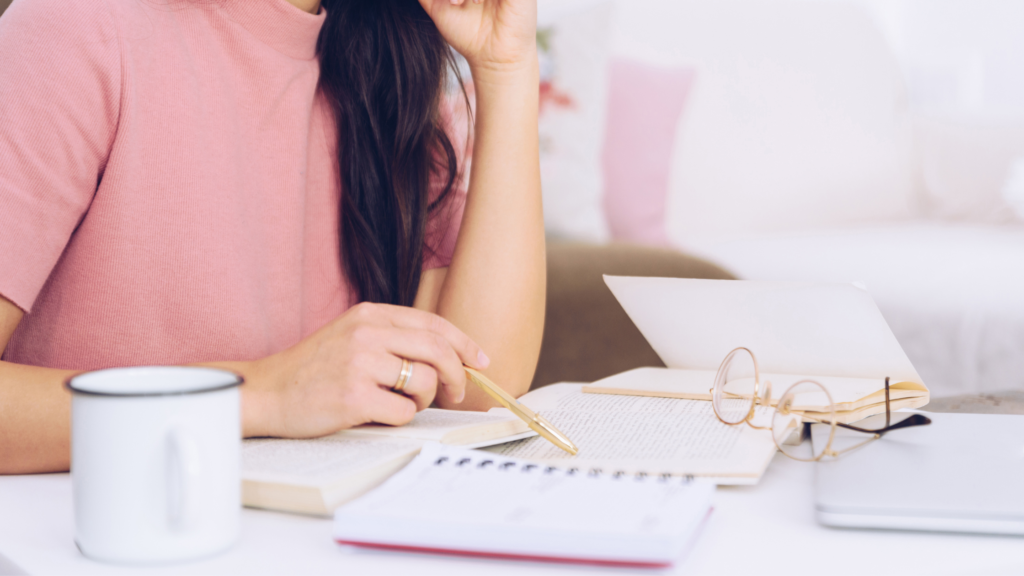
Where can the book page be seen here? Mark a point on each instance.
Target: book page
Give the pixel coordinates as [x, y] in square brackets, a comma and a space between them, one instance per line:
[431, 424]
[847, 393]
[792, 327]
[318, 461]
[449, 426]
[635, 434]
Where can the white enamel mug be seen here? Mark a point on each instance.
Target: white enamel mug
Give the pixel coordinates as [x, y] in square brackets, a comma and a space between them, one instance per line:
[155, 463]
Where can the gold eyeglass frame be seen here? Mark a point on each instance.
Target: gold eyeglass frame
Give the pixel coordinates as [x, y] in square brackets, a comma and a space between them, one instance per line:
[765, 399]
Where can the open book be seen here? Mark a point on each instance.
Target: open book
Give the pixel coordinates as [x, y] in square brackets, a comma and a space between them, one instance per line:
[316, 476]
[831, 333]
[636, 435]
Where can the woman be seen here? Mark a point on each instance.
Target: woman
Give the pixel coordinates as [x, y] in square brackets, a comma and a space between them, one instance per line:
[266, 186]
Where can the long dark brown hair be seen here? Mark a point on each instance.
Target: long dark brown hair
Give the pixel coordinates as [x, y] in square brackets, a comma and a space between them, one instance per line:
[384, 68]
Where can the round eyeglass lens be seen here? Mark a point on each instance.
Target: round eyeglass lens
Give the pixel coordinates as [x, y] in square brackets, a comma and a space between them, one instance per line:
[801, 403]
[735, 386]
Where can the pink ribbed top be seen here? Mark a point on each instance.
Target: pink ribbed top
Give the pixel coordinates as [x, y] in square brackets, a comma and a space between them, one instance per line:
[167, 182]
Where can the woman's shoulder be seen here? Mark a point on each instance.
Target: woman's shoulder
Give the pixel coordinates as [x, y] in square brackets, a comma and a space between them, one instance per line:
[66, 19]
[75, 30]
[61, 43]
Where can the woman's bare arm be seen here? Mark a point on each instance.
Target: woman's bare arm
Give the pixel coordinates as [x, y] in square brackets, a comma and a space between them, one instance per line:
[494, 289]
[35, 410]
[337, 378]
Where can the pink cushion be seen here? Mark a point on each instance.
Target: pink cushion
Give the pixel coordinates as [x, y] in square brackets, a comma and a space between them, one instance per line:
[644, 104]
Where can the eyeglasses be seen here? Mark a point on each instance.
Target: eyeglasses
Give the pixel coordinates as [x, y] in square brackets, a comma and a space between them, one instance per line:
[738, 391]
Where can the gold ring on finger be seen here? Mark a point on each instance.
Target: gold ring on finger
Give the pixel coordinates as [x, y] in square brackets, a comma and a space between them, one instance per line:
[403, 377]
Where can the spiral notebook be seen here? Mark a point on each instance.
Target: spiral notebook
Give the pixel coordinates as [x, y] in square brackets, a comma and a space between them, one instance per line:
[468, 502]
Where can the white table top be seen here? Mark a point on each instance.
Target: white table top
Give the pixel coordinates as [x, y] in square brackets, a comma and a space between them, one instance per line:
[765, 529]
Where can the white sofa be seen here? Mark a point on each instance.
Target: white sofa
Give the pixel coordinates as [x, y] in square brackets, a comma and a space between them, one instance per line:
[798, 157]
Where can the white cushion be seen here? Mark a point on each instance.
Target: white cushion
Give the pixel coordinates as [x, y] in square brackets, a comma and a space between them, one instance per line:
[798, 118]
[952, 294]
[966, 162]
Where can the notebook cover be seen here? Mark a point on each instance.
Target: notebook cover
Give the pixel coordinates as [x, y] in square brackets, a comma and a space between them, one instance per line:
[529, 557]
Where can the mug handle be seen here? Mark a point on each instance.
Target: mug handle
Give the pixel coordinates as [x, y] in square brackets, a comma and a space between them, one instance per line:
[182, 479]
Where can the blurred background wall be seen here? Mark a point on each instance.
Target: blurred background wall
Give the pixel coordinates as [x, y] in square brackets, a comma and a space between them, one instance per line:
[957, 55]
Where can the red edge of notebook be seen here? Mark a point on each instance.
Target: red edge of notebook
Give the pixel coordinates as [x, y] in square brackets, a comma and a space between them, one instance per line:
[525, 557]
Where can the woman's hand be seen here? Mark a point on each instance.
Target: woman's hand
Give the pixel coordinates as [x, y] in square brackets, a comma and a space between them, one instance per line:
[498, 35]
[342, 375]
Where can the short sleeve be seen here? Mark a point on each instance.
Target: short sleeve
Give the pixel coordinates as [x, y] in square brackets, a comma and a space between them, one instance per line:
[443, 230]
[60, 79]
[446, 219]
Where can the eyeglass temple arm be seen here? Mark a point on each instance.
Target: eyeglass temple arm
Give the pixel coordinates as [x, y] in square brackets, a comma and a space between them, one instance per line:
[913, 420]
[888, 412]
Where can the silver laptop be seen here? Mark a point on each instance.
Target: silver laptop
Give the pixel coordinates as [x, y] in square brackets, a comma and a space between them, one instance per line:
[962, 473]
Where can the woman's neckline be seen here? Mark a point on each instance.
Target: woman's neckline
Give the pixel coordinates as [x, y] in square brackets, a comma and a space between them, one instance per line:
[279, 24]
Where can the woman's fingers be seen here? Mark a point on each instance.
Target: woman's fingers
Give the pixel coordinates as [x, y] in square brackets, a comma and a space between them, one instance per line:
[422, 384]
[429, 348]
[403, 317]
[389, 408]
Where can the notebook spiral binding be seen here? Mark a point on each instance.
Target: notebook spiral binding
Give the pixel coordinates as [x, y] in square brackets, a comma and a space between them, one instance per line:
[529, 468]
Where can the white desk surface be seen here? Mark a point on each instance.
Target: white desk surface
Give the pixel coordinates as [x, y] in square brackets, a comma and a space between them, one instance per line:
[764, 529]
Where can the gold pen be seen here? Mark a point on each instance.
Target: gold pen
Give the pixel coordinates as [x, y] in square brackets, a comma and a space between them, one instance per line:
[532, 419]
